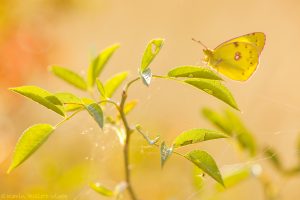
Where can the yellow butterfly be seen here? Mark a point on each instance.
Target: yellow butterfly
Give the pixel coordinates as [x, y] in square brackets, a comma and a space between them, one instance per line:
[236, 58]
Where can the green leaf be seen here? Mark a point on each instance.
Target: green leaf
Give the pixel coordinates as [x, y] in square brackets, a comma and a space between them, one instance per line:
[243, 135]
[198, 178]
[42, 97]
[205, 162]
[272, 155]
[232, 125]
[96, 112]
[165, 153]
[152, 49]
[130, 106]
[68, 98]
[196, 135]
[99, 62]
[72, 107]
[114, 83]
[86, 100]
[100, 88]
[102, 190]
[234, 178]
[70, 101]
[69, 76]
[214, 88]
[29, 142]
[193, 72]
[146, 76]
[218, 120]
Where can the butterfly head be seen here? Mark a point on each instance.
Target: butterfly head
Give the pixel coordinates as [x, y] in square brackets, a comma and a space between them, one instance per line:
[208, 54]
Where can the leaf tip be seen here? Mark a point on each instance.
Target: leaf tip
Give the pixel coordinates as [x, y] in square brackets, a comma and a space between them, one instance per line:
[10, 169]
[50, 68]
[12, 88]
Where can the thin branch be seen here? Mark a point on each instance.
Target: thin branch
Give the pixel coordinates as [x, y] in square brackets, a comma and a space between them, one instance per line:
[127, 141]
[67, 118]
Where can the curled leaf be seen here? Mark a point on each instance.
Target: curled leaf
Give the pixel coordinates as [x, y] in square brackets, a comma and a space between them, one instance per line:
[165, 153]
[96, 112]
[146, 76]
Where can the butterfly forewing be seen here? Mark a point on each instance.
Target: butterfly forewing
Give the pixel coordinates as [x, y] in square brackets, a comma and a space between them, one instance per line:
[256, 39]
[237, 60]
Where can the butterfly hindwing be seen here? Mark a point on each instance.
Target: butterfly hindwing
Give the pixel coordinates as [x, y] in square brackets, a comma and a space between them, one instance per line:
[237, 60]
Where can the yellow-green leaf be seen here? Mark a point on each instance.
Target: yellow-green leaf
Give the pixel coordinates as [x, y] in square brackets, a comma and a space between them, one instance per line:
[87, 101]
[99, 62]
[68, 98]
[205, 162]
[218, 120]
[233, 126]
[70, 101]
[130, 106]
[274, 158]
[96, 112]
[152, 49]
[196, 135]
[102, 190]
[198, 178]
[214, 88]
[242, 134]
[193, 72]
[69, 76]
[235, 177]
[31, 139]
[100, 88]
[114, 83]
[42, 97]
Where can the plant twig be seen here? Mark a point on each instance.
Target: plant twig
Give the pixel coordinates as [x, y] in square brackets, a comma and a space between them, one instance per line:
[128, 131]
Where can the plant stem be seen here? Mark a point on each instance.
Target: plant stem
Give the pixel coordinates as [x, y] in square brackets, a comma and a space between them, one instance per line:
[67, 118]
[130, 83]
[128, 131]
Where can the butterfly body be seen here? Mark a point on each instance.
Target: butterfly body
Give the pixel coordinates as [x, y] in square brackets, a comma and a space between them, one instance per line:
[237, 58]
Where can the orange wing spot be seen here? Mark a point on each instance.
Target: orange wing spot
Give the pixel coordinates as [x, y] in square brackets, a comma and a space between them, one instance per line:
[237, 55]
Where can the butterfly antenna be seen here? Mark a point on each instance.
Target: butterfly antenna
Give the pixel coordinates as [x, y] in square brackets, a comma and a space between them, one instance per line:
[199, 42]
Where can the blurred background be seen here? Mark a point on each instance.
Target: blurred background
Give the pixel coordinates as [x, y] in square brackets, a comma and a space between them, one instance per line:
[35, 34]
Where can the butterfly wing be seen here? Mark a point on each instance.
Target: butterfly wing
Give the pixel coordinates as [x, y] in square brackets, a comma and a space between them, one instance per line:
[236, 60]
[257, 39]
